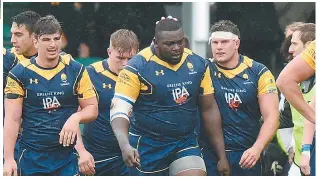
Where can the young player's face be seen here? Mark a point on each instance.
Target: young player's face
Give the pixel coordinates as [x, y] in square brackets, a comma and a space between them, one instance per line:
[119, 60]
[21, 39]
[297, 45]
[171, 46]
[223, 50]
[49, 45]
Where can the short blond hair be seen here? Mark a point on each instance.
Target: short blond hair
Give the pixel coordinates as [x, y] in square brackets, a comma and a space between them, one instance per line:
[124, 40]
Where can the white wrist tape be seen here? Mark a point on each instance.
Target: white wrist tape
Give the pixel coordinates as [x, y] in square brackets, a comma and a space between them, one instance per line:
[120, 108]
[306, 153]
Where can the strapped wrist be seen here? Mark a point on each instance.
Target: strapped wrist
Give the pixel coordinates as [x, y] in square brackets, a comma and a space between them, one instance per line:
[305, 150]
[305, 147]
[306, 153]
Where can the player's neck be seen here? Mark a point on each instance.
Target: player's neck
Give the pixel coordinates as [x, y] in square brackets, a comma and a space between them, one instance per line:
[111, 67]
[232, 63]
[46, 63]
[31, 52]
[156, 52]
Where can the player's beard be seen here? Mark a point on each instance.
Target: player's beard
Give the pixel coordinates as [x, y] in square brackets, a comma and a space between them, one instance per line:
[169, 59]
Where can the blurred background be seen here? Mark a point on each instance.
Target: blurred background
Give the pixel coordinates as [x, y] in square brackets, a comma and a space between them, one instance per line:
[88, 25]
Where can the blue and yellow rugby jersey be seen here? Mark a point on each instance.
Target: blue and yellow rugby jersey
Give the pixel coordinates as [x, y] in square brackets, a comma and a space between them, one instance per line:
[98, 136]
[309, 55]
[236, 93]
[11, 59]
[50, 98]
[164, 97]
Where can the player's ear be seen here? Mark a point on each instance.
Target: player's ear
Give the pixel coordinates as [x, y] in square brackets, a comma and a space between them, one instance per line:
[109, 51]
[35, 41]
[155, 42]
[237, 44]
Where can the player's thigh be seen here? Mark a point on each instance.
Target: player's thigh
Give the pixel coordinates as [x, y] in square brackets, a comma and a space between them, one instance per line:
[112, 166]
[69, 169]
[188, 159]
[154, 156]
[188, 166]
[211, 161]
[32, 163]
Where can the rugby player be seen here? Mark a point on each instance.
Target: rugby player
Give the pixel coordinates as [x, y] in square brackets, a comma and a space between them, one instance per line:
[98, 136]
[166, 84]
[245, 91]
[46, 91]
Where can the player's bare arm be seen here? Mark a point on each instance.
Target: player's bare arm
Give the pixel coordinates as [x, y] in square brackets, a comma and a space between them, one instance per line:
[130, 155]
[309, 132]
[211, 120]
[119, 121]
[269, 109]
[88, 113]
[295, 72]
[12, 122]
[86, 161]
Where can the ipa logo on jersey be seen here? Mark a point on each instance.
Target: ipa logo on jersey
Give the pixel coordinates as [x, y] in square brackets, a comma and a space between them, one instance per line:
[180, 95]
[51, 103]
[233, 99]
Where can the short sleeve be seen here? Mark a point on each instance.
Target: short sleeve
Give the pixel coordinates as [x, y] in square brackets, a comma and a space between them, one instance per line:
[206, 83]
[266, 82]
[309, 54]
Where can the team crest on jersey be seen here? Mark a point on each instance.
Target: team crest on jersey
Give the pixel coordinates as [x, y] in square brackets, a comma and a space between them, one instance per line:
[64, 79]
[247, 81]
[191, 68]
